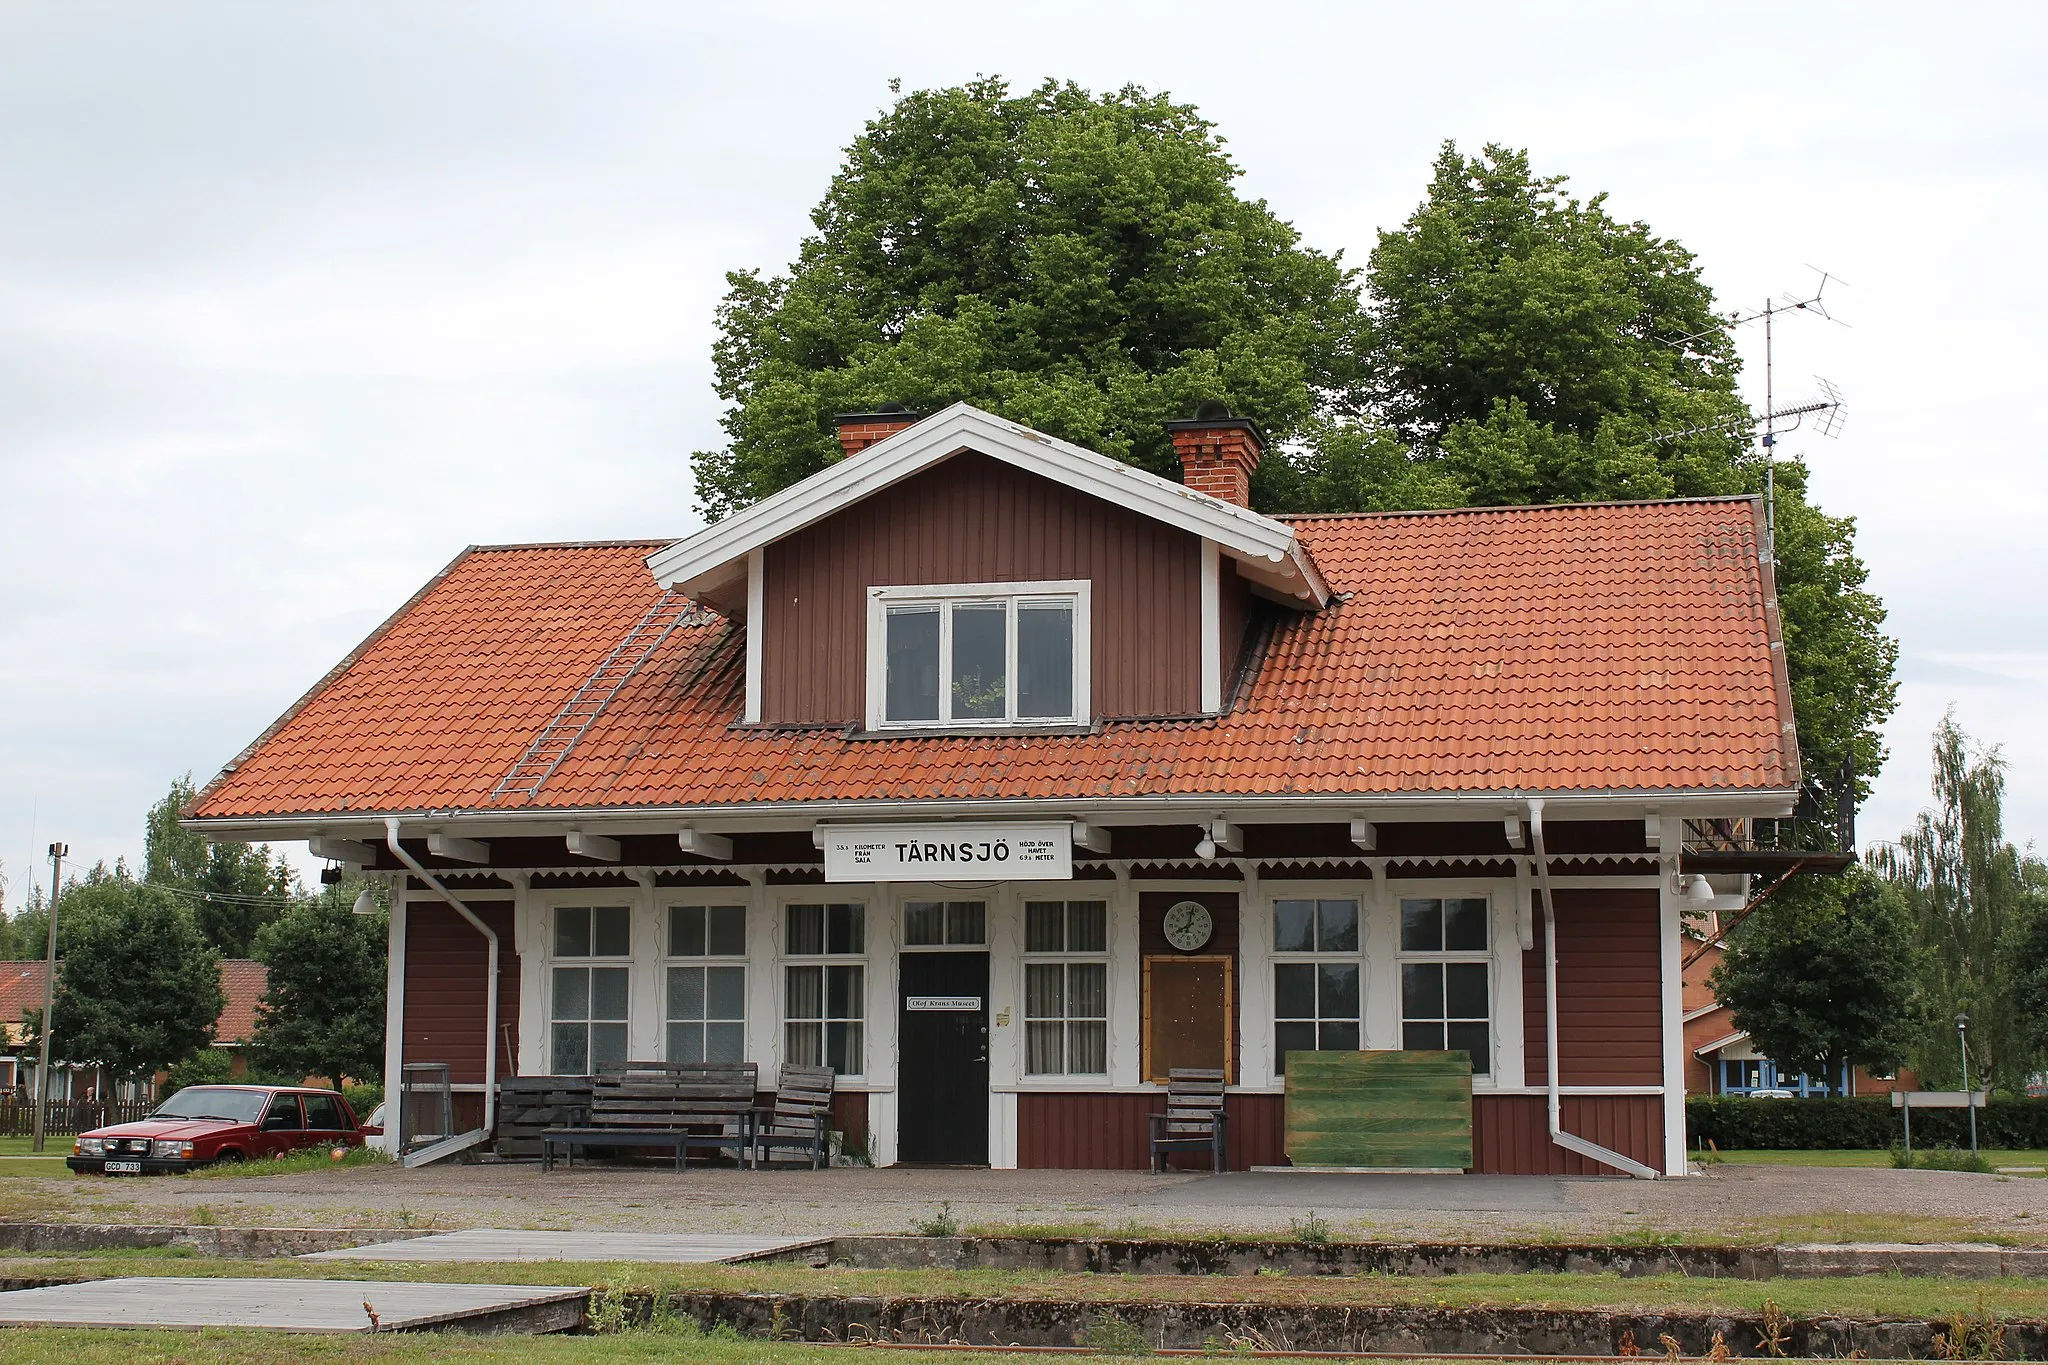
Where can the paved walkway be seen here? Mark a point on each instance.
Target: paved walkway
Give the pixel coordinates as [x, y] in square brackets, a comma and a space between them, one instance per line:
[511, 1244]
[293, 1305]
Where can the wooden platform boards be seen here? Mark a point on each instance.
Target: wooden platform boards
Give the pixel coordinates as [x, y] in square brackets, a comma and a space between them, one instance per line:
[517, 1244]
[297, 1305]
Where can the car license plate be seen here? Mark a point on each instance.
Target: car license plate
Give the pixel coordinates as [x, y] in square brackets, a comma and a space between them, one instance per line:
[124, 1168]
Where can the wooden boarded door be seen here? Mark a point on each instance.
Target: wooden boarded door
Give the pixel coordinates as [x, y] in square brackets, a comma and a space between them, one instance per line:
[1187, 1014]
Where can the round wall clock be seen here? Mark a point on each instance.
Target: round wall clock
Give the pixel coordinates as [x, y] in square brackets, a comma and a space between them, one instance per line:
[1188, 925]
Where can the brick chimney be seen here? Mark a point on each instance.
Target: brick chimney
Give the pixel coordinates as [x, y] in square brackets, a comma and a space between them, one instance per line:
[859, 430]
[1218, 453]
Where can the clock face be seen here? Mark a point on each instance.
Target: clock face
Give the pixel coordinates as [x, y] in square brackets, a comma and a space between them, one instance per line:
[1188, 925]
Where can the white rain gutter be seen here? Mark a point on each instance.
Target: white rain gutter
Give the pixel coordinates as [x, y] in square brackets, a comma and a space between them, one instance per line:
[490, 997]
[1571, 1142]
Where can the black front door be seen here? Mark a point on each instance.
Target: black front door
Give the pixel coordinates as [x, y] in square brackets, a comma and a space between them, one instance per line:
[942, 1059]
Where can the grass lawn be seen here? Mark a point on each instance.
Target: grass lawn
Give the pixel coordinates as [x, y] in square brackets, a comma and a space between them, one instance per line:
[1866, 1158]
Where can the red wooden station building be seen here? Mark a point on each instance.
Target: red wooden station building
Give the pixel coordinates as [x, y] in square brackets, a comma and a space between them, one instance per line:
[1003, 777]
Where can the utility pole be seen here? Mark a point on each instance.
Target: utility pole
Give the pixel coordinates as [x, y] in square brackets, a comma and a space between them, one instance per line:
[57, 852]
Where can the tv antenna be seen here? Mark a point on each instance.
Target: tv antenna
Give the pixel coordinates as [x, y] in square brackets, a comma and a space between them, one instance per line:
[1827, 410]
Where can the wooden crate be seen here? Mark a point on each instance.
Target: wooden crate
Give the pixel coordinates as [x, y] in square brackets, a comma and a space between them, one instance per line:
[1392, 1110]
[529, 1104]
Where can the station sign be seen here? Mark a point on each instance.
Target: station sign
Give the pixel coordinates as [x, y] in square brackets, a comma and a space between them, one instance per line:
[949, 853]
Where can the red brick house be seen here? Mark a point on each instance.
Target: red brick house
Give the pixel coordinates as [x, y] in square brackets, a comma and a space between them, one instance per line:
[1120, 773]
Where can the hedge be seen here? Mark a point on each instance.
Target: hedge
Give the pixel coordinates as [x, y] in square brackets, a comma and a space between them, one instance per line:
[1737, 1122]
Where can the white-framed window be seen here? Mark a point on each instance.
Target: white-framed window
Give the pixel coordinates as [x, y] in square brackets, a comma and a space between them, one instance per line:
[945, 924]
[1316, 978]
[590, 987]
[824, 997]
[1066, 988]
[706, 999]
[978, 655]
[1446, 976]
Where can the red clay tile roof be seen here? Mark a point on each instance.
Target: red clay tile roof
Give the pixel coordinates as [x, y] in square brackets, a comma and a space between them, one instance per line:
[242, 981]
[1568, 648]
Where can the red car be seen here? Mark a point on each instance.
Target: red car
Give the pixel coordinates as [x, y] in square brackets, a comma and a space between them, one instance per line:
[204, 1124]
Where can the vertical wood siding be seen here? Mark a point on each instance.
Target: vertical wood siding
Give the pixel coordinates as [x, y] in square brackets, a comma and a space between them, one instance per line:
[1511, 1133]
[1112, 1132]
[1609, 996]
[978, 520]
[445, 995]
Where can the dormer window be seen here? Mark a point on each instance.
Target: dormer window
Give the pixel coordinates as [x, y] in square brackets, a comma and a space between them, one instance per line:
[978, 655]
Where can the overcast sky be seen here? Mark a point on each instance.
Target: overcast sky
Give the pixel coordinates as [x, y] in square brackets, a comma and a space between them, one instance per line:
[297, 300]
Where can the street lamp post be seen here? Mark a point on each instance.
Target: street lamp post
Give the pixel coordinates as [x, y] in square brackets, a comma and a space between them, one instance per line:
[1969, 1100]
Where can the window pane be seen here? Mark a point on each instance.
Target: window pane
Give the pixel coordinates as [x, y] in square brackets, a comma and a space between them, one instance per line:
[1044, 1048]
[1422, 1037]
[1422, 926]
[1045, 661]
[911, 690]
[845, 928]
[572, 993]
[1291, 1038]
[1337, 990]
[570, 1044]
[1294, 991]
[1045, 991]
[923, 923]
[686, 1042]
[843, 1052]
[1294, 926]
[1337, 926]
[965, 922]
[685, 993]
[843, 993]
[806, 930]
[804, 994]
[980, 664]
[726, 934]
[1465, 990]
[607, 1044]
[572, 933]
[804, 1044]
[1045, 926]
[1422, 990]
[608, 992]
[1088, 1048]
[1087, 990]
[725, 1043]
[1337, 1037]
[686, 931]
[611, 931]
[1088, 927]
[725, 992]
[1476, 1039]
[1465, 926]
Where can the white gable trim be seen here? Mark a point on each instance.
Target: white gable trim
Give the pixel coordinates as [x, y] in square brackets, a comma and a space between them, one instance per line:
[1268, 549]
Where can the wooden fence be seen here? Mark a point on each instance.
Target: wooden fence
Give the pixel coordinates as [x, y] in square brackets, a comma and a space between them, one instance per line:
[66, 1117]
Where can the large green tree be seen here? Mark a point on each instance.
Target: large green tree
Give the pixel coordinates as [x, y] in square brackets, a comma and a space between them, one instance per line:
[1082, 263]
[138, 986]
[234, 889]
[323, 1011]
[1973, 895]
[1826, 974]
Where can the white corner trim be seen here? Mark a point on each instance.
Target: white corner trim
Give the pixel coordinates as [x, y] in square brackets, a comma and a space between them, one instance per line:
[757, 597]
[1257, 540]
[394, 1006]
[1212, 628]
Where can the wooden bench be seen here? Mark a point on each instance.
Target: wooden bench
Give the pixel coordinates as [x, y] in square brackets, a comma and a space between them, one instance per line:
[1194, 1120]
[801, 1116]
[530, 1105]
[681, 1106]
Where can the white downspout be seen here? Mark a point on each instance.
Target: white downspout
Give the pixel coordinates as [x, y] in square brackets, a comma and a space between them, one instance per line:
[491, 982]
[1571, 1142]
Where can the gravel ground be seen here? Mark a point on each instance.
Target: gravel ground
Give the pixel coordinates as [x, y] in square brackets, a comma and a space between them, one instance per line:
[1762, 1203]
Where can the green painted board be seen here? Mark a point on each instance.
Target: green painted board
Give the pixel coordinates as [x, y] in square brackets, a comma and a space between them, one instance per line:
[1379, 1109]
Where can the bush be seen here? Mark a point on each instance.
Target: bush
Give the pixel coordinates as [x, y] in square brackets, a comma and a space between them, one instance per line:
[1737, 1123]
[363, 1097]
[210, 1066]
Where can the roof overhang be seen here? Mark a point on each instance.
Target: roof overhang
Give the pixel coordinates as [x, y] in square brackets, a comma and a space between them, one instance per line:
[1267, 552]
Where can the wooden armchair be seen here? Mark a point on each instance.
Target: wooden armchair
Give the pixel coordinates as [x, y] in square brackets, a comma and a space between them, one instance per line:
[801, 1116]
[1194, 1119]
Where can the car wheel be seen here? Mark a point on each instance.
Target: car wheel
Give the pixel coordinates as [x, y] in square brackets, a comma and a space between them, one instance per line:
[230, 1157]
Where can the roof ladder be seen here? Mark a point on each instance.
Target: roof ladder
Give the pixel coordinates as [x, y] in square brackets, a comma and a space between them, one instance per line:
[581, 711]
